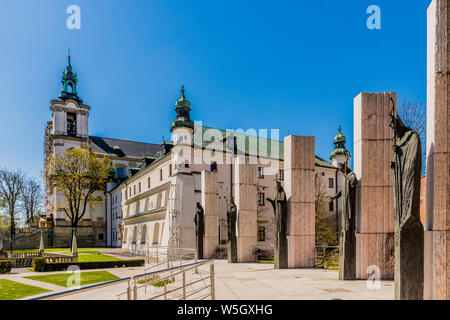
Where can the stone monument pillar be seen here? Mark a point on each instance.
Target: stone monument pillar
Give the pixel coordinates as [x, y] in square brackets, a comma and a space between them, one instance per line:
[74, 245]
[245, 191]
[437, 235]
[41, 243]
[299, 162]
[210, 204]
[373, 154]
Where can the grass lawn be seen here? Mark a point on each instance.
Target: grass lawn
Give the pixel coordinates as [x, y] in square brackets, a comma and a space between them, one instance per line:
[96, 258]
[61, 250]
[11, 290]
[67, 250]
[60, 279]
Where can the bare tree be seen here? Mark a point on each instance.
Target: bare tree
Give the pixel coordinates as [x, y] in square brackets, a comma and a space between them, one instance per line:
[32, 198]
[414, 116]
[10, 192]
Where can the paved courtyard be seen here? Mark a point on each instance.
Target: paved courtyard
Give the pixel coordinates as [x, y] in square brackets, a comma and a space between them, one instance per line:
[247, 281]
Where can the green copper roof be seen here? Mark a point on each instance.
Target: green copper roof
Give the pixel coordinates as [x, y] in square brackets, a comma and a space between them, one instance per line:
[183, 109]
[69, 85]
[251, 147]
[339, 137]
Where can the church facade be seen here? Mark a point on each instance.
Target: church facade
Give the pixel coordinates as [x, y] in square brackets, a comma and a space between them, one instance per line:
[152, 199]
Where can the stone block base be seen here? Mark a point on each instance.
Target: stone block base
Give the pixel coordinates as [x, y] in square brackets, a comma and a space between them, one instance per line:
[209, 246]
[375, 250]
[301, 252]
[246, 247]
[437, 268]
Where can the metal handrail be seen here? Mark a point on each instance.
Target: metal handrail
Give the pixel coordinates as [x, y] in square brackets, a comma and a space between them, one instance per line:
[184, 268]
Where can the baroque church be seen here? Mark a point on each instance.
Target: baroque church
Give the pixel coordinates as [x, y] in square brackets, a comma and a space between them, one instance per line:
[153, 197]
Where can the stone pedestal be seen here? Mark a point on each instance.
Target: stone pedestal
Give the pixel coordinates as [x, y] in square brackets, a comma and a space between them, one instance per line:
[437, 235]
[373, 155]
[210, 204]
[299, 162]
[245, 191]
[347, 253]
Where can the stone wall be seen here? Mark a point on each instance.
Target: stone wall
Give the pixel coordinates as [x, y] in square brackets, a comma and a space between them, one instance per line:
[373, 155]
[60, 237]
[299, 157]
[245, 198]
[210, 204]
[437, 235]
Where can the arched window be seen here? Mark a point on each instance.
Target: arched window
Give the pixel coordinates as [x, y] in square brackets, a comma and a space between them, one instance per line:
[155, 233]
[70, 87]
[144, 234]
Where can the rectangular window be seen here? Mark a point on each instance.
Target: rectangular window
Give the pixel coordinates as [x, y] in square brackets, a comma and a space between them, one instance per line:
[139, 187]
[160, 174]
[100, 236]
[148, 182]
[331, 182]
[331, 206]
[186, 164]
[134, 189]
[261, 199]
[261, 172]
[281, 175]
[170, 170]
[261, 233]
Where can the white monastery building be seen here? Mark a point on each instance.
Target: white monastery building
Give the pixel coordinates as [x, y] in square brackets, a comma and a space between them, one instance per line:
[152, 199]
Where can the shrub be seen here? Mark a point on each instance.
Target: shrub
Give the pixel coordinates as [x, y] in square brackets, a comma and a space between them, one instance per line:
[157, 284]
[40, 265]
[5, 266]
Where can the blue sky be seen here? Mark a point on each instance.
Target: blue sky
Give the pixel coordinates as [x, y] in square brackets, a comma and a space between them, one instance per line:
[292, 65]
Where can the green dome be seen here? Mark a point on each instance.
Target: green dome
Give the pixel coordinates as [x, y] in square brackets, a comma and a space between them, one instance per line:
[183, 109]
[339, 137]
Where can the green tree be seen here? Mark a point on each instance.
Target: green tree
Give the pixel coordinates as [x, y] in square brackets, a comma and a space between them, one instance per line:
[79, 174]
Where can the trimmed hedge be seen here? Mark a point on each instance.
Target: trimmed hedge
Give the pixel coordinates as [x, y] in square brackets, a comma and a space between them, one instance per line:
[39, 265]
[5, 266]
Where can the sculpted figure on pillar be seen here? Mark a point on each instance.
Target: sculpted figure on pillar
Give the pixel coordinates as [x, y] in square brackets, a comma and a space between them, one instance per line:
[409, 231]
[232, 242]
[280, 210]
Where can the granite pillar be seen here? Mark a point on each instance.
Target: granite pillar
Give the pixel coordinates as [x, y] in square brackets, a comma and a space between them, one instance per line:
[437, 234]
[245, 180]
[373, 155]
[299, 163]
[210, 204]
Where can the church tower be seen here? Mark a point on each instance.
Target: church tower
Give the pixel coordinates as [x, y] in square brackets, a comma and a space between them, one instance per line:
[69, 114]
[182, 127]
[340, 154]
[67, 129]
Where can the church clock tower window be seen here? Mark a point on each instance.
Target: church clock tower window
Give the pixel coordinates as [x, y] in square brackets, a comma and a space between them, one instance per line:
[71, 124]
